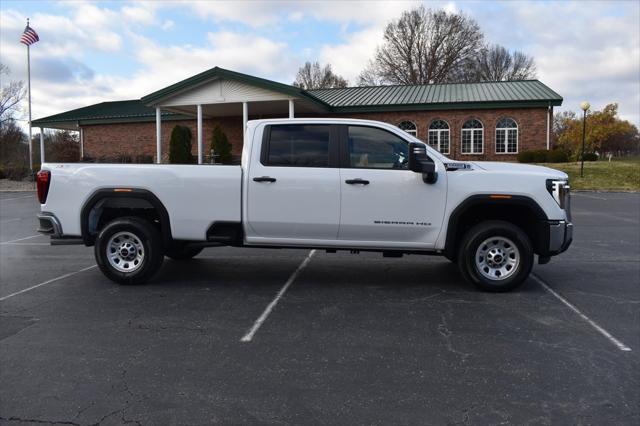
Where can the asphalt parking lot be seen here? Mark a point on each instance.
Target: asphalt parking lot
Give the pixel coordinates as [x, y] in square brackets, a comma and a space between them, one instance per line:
[349, 339]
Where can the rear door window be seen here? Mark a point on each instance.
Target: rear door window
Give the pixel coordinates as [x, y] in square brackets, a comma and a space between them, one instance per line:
[298, 145]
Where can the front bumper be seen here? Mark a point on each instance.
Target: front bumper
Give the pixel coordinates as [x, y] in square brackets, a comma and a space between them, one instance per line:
[555, 237]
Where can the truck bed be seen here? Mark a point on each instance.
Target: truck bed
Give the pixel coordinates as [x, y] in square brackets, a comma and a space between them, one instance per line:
[196, 195]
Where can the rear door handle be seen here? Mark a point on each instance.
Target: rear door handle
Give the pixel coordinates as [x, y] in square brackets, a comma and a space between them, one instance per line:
[264, 179]
[357, 182]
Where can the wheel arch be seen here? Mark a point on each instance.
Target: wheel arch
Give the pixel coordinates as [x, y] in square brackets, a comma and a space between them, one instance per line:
[124, 198]
[519, 210]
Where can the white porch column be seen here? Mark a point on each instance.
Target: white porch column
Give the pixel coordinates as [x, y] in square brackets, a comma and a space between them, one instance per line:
[41, 147]
[158, 136]
[200, 153]
[245, 118]
[291, 108]
[81, 143]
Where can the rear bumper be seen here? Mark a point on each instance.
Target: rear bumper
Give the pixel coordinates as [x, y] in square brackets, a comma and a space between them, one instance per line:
[49, 225]
[555, 237]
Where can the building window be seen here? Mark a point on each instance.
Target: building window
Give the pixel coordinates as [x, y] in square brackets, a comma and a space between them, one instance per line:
[472, 137]
[409, 127]
[506, 136]
[439, 136]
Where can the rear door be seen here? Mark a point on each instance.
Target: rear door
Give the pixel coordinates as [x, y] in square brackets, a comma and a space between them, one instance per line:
[381, 199]
[293, 184]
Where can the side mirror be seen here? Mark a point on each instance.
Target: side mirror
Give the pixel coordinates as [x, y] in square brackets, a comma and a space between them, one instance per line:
[420, 162]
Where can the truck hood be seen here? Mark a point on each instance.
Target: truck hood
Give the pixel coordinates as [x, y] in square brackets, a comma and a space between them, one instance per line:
[492, 166]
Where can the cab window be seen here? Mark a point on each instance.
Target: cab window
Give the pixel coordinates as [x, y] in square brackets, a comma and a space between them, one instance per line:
[298, 145]
[372, 148]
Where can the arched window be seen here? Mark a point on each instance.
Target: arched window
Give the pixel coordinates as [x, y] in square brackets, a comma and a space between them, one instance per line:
[472, 137]
[506, 136]
[409, 127]
[439, 136]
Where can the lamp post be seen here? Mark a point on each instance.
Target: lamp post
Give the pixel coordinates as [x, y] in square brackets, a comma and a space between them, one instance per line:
[584, 107]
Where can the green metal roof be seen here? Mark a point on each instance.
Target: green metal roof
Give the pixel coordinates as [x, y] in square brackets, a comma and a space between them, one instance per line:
[439, 96]
[112, 112]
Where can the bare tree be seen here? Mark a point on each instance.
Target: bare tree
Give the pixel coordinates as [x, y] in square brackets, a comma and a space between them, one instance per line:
[10, 97]
[313, 76]
[370, 76]
[425, 46]
[496, 63]
[561, 121]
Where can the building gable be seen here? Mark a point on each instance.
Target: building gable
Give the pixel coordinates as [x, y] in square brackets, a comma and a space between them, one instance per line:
[222, 91]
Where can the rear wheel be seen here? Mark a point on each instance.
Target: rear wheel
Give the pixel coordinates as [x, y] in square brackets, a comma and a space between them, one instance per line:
[129, 250]
[182, 251]
[495, 256]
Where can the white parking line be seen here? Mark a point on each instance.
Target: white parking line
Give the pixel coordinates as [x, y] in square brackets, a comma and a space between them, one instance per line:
[21, 239]
[26, 244]
[18, 198]
[61, 277]
[247, 337]
[592, 323]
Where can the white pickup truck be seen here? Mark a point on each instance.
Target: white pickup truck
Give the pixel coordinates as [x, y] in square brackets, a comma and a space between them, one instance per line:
[332, 184]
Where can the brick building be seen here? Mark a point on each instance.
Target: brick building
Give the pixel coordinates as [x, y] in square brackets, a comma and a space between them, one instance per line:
[467, 121]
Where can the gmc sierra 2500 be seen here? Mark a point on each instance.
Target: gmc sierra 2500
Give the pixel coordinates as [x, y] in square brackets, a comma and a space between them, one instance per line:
[334, 184]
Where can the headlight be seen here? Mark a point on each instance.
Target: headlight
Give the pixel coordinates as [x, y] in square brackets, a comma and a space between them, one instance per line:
[559, 190]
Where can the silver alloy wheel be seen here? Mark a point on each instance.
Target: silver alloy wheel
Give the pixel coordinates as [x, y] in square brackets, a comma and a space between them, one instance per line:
[497, 258]
[125, 252]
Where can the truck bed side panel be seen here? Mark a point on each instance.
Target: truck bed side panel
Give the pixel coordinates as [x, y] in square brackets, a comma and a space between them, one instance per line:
[194, 196]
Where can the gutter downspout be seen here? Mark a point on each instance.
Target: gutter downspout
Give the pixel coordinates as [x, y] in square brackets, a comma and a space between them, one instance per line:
[81, 141]
[548, 124]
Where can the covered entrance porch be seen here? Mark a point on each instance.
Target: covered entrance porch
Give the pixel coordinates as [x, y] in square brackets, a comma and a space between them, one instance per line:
[219, 93]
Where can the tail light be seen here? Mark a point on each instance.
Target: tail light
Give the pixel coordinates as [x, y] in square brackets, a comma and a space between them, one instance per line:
[43, 179]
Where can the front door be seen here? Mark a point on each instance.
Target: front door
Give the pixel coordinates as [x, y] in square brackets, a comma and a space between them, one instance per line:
[381, 200]
[294, 186]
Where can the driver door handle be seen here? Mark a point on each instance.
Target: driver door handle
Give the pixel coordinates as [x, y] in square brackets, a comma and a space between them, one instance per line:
[264, 179]
[357, 182]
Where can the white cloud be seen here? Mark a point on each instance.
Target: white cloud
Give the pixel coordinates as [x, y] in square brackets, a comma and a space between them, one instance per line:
[168, 24]
[296, 16]
[583, 53]
[350, 58]
[139, 14]
[252, 13]
[61, 81]
[163, 65]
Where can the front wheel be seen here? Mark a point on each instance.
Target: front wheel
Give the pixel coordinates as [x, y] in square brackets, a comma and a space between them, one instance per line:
[129, 250]
[495, 256]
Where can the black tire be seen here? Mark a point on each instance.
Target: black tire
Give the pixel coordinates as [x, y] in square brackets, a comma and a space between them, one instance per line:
[145, 243]
[182, 251]
[485, 272]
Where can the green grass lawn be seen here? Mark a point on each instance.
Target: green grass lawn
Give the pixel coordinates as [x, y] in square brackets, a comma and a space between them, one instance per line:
[617, 175]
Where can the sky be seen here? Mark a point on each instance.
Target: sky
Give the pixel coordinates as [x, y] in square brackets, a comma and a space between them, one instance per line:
[91, 52]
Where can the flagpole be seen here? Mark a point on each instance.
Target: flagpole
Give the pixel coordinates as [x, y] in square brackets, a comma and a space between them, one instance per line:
[29, 95]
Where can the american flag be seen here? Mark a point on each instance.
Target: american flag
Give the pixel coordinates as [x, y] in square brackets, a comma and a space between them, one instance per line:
[29, 36]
